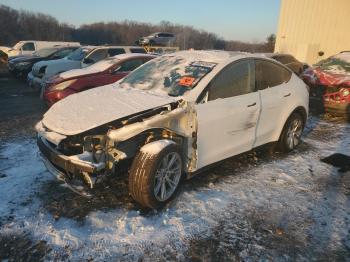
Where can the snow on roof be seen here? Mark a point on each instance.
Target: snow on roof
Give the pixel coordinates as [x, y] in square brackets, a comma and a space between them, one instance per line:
[130, 55]
[214, 56]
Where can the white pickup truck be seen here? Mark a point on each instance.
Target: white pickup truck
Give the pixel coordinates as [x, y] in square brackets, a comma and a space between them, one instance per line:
[29, 47]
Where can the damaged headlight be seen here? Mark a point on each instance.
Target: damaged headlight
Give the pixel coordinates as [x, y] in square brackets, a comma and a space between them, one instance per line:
[96, 145]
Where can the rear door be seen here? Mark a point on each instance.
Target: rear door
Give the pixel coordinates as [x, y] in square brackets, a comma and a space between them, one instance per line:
[276, 93]
[228, 114]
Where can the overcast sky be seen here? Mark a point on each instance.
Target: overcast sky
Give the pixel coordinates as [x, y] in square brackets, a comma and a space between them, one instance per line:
[246, 20]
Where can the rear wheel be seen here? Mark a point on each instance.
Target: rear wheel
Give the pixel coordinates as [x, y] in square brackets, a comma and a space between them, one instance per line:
[291, 134]
[155, 173]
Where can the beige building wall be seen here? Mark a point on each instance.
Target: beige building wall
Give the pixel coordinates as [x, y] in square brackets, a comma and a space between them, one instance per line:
[307, 27]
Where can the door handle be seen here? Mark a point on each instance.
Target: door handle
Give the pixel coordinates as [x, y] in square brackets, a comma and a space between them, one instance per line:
[254, 104]
[287, 95]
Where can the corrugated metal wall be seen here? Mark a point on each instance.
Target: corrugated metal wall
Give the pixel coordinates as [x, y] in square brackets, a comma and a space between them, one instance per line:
[309, 26]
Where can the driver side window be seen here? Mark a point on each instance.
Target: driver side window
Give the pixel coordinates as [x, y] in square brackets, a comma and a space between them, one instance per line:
[234, 80]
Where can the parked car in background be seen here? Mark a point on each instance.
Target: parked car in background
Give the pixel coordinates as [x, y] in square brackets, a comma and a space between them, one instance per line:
[329, 81]
[29, 47]
[288, 60]
[3, 57]
[172, 117]
[101, 73]
[22, 65]
[80, 58]
[157, 39]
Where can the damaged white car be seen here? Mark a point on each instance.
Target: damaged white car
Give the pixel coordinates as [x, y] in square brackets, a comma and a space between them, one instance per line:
[173, 116]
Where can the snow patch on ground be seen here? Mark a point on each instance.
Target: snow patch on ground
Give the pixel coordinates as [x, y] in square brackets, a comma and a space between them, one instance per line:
[295, 193]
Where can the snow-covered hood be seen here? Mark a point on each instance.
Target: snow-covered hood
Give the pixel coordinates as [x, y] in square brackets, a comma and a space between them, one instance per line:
[86, 110]
[5, 49]
[54, 67]
[77, 73]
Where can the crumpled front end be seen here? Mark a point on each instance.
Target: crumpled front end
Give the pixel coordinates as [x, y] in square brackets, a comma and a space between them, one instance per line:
[85, 159]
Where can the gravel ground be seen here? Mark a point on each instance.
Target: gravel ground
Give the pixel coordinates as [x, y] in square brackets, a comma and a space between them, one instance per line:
[255, 207]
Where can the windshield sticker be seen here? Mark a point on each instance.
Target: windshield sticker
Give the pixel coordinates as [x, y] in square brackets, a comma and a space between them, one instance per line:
[187, 81]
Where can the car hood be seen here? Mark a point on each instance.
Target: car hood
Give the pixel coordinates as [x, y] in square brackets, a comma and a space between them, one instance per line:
[77, 73]
[86, 110]
[54, 67]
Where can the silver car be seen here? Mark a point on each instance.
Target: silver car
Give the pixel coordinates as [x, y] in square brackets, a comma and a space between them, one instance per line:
[157, 39]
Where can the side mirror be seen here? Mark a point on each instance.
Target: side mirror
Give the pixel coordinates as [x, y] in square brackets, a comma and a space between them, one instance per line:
[88, 60]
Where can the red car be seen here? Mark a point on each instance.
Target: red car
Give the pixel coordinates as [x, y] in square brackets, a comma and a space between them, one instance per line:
[102, 73]
[330, 80]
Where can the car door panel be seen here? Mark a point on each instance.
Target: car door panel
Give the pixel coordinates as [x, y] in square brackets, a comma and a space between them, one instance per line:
[274, 101]
[226, 127]
[227, 122]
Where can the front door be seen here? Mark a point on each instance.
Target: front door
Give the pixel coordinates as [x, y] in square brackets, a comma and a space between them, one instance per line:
[228, 115]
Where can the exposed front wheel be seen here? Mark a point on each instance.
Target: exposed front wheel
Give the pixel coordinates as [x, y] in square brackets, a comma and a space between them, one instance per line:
[291, 134]
[155, 173]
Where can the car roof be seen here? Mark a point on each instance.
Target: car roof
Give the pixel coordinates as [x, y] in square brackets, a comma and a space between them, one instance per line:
[215, 56]
[130, 55]
[274, 54]
[118, 46]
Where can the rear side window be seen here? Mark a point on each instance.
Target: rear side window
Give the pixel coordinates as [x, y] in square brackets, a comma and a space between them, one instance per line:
[28, 47]
[98, 55]
[268, 74]
[116, 51]
[130, 65]
[138, 50]
[234, 80]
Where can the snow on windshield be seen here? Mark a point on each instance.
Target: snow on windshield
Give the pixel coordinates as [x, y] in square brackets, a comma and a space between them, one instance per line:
[170, 75]
[338, 64]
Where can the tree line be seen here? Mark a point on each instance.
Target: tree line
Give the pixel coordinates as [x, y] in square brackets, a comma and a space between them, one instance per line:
[22, 25]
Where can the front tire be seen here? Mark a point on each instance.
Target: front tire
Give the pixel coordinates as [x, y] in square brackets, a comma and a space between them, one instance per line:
[155, 173]
[291, 133]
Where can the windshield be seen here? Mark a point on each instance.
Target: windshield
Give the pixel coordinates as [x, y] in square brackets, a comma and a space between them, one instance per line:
[45, 52]
[338, 64]
[172, 76]
[17, 46]
[78, 54]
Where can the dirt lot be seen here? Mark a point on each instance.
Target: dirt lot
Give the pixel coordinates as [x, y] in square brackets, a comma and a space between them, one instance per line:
[256, 207]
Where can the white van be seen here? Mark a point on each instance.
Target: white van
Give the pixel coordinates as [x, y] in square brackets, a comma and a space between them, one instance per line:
[29, 47]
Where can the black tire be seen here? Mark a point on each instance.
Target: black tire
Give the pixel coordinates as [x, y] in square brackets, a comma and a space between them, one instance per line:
[142, 175]
[284, 144]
